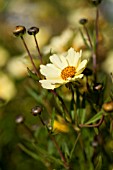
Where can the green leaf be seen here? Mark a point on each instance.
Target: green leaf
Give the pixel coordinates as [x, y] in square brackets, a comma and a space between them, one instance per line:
[75, 143]
[29, 152]
[95, 117]
[32, 75]
[53, 117]
[39, 154]
[99, 163]
[81, 114]
[32, 93]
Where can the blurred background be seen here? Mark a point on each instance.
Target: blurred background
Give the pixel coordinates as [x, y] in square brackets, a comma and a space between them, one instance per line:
[58, 22]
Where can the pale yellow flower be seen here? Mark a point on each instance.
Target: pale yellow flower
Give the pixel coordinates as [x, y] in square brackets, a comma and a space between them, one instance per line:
[7, 87]
[60, 42]
[62, 69]
[16, 67]
[4, 55]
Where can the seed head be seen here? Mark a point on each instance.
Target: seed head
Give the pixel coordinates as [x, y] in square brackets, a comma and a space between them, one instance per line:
[108, 107]
[33, 30]
[19, 119]
[96, 2]
[87, 72]
[83, 21]
[36, 110]
[19, 31]
[98, 87]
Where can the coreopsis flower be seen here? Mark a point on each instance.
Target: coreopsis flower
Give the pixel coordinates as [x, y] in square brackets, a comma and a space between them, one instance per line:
[62, 69]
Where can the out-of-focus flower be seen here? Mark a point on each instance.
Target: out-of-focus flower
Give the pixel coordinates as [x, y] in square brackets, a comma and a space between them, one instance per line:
[4, 55]
[59, 43]
[60, 125]
[63, 69]
[7, 87]
[107, 65]
[16, 67]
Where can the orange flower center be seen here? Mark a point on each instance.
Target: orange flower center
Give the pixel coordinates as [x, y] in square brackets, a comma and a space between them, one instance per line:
[68, 72]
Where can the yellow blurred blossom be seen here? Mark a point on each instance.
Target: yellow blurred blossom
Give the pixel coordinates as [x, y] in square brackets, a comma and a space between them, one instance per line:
[4, 55]
[107, 65]
[7, 87]
[59, 43]
[60, 125]
[16, 67]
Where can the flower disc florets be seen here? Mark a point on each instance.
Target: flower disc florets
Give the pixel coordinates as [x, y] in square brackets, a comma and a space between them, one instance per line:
[62, 69]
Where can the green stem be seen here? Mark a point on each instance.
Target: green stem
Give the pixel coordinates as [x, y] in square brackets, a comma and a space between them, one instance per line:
[63, 104]
[72, 151]
[35, 69]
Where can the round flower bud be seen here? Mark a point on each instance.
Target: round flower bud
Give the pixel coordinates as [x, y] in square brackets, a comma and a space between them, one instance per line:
[83, 21]
[19, 119]
[108, 107]
[87, 72]
[50, 128]
[19, 30]
[98, 87]
[96, 2]
[36, 110]
[33, 30]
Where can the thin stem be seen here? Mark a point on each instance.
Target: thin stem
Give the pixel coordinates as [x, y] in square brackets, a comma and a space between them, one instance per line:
[88, 36]
[37, 46]
[74, 145]
[28, 130]
[35, 69]
[56, 144]
[91, 45]
[85, 42]
[42, 120]
[93, 125]
[63, 104]
[73, 104]
[60, 152]
[96, 45]
[97, 31]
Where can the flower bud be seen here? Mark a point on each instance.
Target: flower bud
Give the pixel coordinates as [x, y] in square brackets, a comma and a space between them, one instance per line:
[108, 107]
[33, 30]
[83, 21]
[19, 31]
[98, 87]
[87, 72]
[96, 2]
[36, 110]
[19, 119]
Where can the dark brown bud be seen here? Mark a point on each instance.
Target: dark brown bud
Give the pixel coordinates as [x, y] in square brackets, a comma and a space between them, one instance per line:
[19, 119]
[19, 30]
[83, 21]
[33, 30]
[108, 107]
[87, 72]
[36, 110]
[96, 2]
[98, 87]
